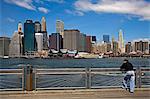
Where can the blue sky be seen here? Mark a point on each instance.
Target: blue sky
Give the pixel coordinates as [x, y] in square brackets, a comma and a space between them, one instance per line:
[92, 17]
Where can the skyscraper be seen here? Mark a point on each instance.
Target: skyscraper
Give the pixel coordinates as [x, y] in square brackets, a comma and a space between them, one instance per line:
[93, 39]
[4, 46]
[37, 26]
[60, 27]
[128, 47]
[44, 31]
[121, 42]
[55, 41]
[106, 38]
[15, 47]
[141, 46]
[82, 42]
[43, 24]
[20, 27]
[115, 48]
[29, 36]
[71, 39]
[39, 40]
[88, 44]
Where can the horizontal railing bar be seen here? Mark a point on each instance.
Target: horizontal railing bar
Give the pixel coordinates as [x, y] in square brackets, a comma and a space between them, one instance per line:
[60, 70]
[63, 69]
[105, 86]
[11, 89]
[145, 69]
[145, 85]
[44, 73]
[104, 73]
[10, 70]
[10, 73]
[61, 88]
[148, 77]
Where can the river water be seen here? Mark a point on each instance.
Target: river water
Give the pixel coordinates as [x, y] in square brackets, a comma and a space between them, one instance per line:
[72, 63]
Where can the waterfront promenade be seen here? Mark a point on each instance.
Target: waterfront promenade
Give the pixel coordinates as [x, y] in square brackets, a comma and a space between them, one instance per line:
[117, 93]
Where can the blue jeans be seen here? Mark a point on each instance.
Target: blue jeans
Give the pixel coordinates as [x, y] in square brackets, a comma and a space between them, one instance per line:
[129, 81]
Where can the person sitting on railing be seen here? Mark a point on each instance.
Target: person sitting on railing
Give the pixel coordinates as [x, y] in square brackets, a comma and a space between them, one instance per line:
[127, 67]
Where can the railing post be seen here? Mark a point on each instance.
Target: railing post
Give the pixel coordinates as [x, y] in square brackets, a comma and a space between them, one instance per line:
[28, 78]
[138, 77]
[88, 78]
[23, 82]
[35, 79]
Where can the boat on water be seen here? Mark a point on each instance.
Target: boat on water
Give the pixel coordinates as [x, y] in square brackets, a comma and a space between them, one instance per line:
[87, 55]
[5, 57]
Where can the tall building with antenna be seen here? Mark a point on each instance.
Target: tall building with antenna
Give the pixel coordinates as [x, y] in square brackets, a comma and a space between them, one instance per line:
[43, 24]
[44, 31]
[60, 27]
[121, 42]
[16, 44]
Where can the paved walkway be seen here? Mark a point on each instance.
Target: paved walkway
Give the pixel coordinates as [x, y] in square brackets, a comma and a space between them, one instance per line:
[78, 94]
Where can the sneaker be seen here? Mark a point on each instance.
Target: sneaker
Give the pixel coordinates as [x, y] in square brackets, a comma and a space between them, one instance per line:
[123, 87]
[131, 91]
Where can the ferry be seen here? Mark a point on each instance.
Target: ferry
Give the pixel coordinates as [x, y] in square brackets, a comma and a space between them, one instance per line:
[88, 55]
[5, 57]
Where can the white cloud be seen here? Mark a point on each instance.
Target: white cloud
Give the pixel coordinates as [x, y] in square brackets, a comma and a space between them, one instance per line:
[76, 12]
[42, 9]
[136, 8]
[10, 20]
[56, 1]
[22, 3]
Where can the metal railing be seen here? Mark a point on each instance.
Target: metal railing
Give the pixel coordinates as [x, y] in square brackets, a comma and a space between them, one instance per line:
[11, 79]
[68, 78]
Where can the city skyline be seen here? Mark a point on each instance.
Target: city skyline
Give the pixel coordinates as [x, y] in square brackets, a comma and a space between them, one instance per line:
[99, 23]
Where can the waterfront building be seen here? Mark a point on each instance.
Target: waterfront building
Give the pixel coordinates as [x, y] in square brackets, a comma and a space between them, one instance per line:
[88, 44]
[99, 48]
[39, 41]
[106, 38]
[29, 37]
[37, 27]
[112, 40]
[71, 39]
[60, 27]
[4, 46]
[45, 41]
[16, 46]
[128, 47]
[108, 47]
[94, 49]
[82, 47]
[141, 46]
[121, 42]
[102, 47]
[115, 48]
[149, 48]
[93, 38]
[44, 31]
[55, 41]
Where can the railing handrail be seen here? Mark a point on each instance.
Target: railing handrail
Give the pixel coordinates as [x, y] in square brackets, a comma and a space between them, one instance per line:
[12, 71]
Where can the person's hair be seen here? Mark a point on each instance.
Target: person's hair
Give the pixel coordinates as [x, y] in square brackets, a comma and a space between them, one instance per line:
[125, 60]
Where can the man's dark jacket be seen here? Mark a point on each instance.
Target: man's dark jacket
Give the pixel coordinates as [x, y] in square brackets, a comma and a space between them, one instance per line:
[126, 66]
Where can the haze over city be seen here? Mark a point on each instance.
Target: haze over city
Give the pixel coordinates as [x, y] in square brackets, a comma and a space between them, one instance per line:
[92, 17]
